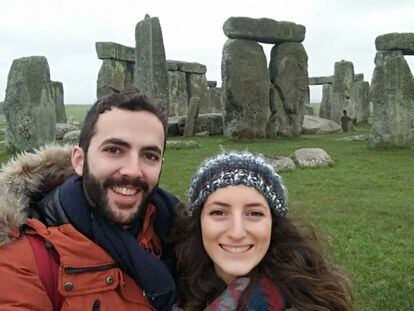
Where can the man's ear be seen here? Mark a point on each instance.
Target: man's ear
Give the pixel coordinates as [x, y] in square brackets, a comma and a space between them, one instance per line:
[77, 159]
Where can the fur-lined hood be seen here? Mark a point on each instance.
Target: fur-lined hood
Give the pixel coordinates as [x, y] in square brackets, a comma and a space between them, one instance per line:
[25, 175]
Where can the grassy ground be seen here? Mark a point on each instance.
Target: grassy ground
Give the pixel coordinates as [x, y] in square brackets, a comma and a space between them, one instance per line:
[76, 112]
[363, 204]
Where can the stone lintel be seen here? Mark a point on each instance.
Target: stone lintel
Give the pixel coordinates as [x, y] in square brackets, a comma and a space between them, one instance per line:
[116, 51]
[321, 80]
[190, 67]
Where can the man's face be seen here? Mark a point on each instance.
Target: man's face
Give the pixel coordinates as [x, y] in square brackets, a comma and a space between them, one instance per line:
[123, 162]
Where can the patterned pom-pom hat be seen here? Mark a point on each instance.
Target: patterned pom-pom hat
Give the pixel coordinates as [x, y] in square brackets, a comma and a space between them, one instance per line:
[237, 168]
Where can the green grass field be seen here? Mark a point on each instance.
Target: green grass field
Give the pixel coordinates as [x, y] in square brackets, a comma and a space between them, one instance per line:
[363, 205]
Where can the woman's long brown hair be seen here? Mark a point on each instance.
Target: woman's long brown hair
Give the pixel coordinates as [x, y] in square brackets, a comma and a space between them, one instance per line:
[294, 262]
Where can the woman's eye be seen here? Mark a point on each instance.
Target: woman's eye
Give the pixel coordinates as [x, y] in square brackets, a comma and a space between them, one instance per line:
[216, 213]
[255, 214]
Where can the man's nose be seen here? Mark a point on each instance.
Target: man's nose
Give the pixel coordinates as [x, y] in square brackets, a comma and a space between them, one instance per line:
[132, 167]
[237, 228]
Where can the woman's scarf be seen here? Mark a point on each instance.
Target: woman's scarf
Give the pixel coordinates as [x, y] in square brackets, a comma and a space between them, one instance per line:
[265, 296]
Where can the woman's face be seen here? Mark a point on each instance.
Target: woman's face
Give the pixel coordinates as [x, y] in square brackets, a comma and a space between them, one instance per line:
[236, 225]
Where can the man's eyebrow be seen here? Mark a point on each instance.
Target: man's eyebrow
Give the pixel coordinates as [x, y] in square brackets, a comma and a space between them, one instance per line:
[115, 141]
[153, 148]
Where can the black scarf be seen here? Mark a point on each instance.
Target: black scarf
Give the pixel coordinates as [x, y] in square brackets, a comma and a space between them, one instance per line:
[151, 274]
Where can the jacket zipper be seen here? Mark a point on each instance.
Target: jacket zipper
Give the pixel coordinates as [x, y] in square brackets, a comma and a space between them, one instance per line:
[71, 270]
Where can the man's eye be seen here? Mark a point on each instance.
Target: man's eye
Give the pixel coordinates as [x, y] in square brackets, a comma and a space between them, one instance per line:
[113, 150]
[152, 157]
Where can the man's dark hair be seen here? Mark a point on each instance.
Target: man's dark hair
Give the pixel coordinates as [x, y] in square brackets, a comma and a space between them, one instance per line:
[128, 99]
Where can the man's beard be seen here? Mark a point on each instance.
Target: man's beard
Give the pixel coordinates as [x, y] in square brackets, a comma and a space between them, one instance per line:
[96, 195]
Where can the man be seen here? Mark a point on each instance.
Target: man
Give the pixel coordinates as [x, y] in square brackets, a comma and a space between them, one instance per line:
[96, 210]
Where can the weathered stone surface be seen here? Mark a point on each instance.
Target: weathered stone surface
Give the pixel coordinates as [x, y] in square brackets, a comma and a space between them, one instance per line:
[190, 67]
[264, 30]
[214, 99]
[354, 138]
[400, 41]
[172, 65]
[112, 50]
[309, 110]
[325, 106]
[211, 83]
[316, 125]
[118, 74]
[150, 64]
[360, 94]
[289, 75]
[63, 128]
[1, 106]
[57, 96]
[342, 86]
[392, 95]
[29, 107]
[358, 77]
[210, 122]
[173, 126]
[245, 89]
[182, 144]
[321, 80]
[192, 115]
[312, 157]
[72, 137]
[202, 134]
[281, 163]
[343, 76]
[197, 87]
[178, 96]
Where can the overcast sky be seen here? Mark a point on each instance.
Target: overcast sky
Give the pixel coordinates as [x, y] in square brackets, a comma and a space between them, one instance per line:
[66, 31]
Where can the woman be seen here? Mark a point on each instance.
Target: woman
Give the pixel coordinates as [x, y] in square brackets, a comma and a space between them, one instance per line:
[237, 249]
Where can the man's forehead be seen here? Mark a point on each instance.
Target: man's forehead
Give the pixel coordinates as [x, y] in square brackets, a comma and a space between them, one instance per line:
[133, 127]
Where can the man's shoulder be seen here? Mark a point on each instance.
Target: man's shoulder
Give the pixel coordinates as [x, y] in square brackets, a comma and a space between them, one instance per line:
[25, 179]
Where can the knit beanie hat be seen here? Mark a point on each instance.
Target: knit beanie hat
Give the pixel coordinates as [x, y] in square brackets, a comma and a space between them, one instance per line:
[237, 168]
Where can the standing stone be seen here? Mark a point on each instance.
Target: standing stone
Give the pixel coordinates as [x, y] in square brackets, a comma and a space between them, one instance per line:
[57, 95]
[214, 99]
[278, 120]
[289, 74]
[325, 106]
[360, 93]
[342, 87]
[358, 77]
[264, 30]
[29, 107]
[178, 95]
[117, 68]
[392, 94]
[197, 87]
[114, 73]
[245, 89]
[150, 64]
[191, 119]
